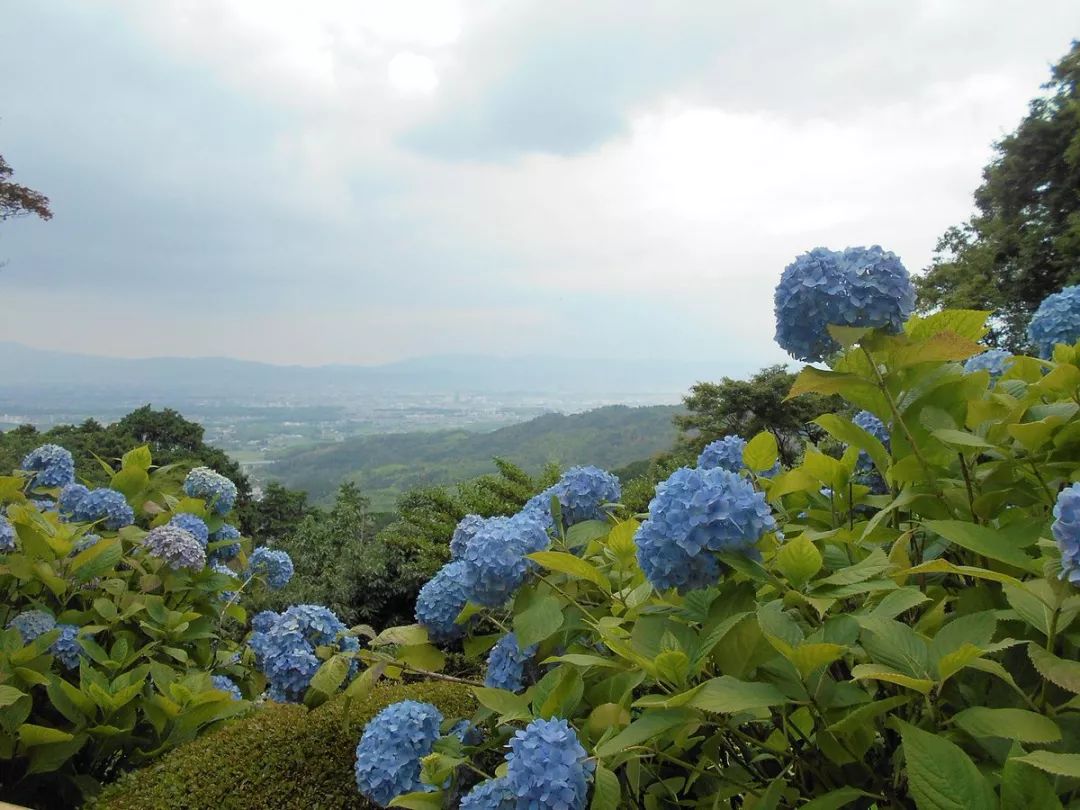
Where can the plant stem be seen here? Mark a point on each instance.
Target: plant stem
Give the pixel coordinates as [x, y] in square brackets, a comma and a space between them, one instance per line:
[967, 483]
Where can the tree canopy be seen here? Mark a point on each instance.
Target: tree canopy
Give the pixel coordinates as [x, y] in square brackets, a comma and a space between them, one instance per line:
[17, 200]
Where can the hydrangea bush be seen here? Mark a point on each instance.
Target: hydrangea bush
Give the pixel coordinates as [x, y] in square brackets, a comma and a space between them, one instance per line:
[808, 639]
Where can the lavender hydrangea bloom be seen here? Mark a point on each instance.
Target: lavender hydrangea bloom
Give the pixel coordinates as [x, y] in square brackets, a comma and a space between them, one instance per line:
[67, 648]
[547, 767]
[859, 287]
[32, 623]
[229, 550]
[1057, 320]
[876, 428]
[491, 794]
[106, 505]
[506, 664]
[226, 684]
[391, 747]
[725, 453]
[996, 361]
[217, 490]
[7, 534]
[463, 533]
[194, 524]
[1066, 531]
[70, 496]
[694, 515]
[494, 561]
[275, 565]
[441, 600]
[177, 547]
[51, 465]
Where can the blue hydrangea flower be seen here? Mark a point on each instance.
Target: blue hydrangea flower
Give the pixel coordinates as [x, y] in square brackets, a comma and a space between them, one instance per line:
[506, 664]
[441, 600]
[263, 621]
[1066, 530]
[226, 684]
[32, 623]
[67, 648]
[491, 794]
[194, 524]
[221, 568]
[694, 515]
[538, 507]
[275, 565]
[581, 492]
[217, 490]
[284, 646]
[51, 465]
[176, 547]
[494, 561]
[391, 747]
[547, 767]
[70, 496]
[725, 453]
[859, 287]
[876, 428]
[1057, 320]
[996, 361]
[465, 731]
[106, 505]
[463, 533]
[229, 550]
[7, 534]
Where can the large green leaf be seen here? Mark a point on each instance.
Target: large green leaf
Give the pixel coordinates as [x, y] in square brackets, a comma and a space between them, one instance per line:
[572, 565]
[1051, 762]
[940, 775]
[1023, 787]
[606, 790]
[651, 724]
[846, 431]
[761, 452]
[727, 695]
[538, 621]
[985, 541]
[1012, 724]
[1065, 674]
[799, 560]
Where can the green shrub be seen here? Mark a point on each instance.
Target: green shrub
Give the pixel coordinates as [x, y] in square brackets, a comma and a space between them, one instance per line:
[280, 756]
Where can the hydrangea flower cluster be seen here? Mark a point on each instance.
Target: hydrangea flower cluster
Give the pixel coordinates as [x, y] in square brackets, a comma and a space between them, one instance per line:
[694, 515]
[876, 428]
[391, 747]
[275, 565]
[859, 287]
[194, 524]
[463, 533]
[226, 684]
[725, 453]
[177, 547]
[51, 465]
[441, 600]
[70, 496]
[506, 664]
[217, 490]
[494, 560]
[7, 534]
[1066, 530]
[229, 550]
[996, 361]
[32, 623]
[106, 505]
[547, 767]
[491, 794]
[581, 492]
[284, 646]
[67, 648]
[1057, 320]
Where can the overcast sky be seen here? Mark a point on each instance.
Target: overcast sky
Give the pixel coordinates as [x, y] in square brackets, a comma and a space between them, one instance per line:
[363, 180]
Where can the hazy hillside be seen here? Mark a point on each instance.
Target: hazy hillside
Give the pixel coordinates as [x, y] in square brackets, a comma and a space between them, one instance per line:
[385, 466]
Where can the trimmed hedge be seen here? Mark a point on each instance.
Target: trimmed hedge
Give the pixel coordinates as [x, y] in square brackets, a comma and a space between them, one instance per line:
[282, 755]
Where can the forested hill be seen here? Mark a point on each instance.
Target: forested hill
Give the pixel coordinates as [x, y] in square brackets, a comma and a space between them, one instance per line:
[387, 465]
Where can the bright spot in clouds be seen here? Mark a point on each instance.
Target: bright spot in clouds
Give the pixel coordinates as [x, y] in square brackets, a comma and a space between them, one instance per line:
[412, 74]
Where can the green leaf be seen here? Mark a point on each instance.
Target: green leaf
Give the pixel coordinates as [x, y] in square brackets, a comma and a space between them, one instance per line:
[761, 452]
[583, 660]
[418, 801]
[606, 790]
[130, 481]
[940, 775]
[872, 565]
[1059, 764]
[969, 323]
[30, 735]
[960, 438]
[984, 540]
[571, 565]
[139, 458]
[727, 695]
[502, 702]
[835, 799]
[851, 387]
[330, 675]
[9, 694]
[406, 634]
[1065, 674]
[1024, 787]
[863, 716]
[651, 724]
[877, 672]
[895, 645]
[423, 656]
[97, 559]
[1012, 724]
[799, 560]
[538, 621]
[808, 658]
[581, 534]
[940, 347]
[847, 432]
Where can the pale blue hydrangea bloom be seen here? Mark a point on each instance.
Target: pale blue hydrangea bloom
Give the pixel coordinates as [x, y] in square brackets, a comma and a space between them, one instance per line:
[176, 547]
[996, 361]
[857, 287]
[491, 794]
[725, 453]
[391, 747]
[494, 561]
[106, 505]
[506, 664]
[694, 515]
[547, 769]
[67, 648]
[441, 600]
[217, 490]
[581, 492]
[194, 524]
[229, 550]
[51, 465]
[226, 684]
[263, 620]
[273, 564]
[463, 533]
[1057, 320]
[7, 534]
[32, 623]
[1066, 530]
[284, 646]
[70, 496]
